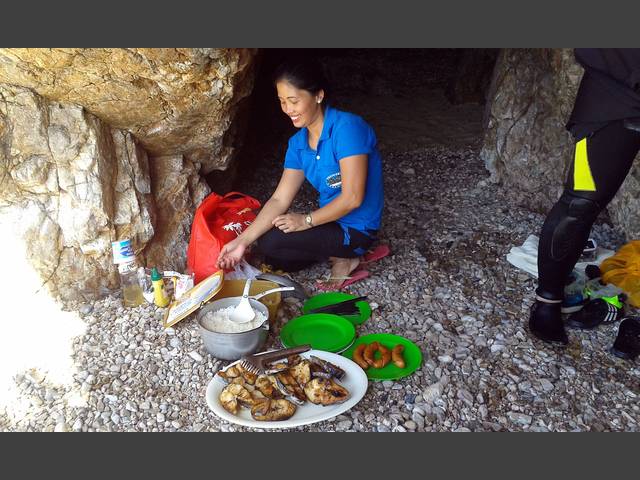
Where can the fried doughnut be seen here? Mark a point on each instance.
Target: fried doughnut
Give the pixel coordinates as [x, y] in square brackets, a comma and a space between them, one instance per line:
[385, 357]
[357, 356]
[396, 355]
[369, 353]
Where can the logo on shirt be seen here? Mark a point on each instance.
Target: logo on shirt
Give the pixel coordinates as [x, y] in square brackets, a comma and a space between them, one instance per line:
[334, 180]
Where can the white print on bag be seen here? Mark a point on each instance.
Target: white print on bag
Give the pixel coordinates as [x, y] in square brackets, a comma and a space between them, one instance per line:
[334, 180]
[236, 227]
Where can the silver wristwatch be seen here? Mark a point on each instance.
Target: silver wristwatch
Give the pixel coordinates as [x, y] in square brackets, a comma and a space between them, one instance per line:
[309, 220]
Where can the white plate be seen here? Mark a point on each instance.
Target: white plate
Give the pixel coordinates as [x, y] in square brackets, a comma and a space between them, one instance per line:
[354, 380]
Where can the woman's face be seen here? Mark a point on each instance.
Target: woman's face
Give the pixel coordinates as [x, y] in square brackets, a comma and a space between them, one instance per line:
[301, 106]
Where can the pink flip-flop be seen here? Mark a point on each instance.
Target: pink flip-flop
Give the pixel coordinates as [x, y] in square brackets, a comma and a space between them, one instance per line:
[356, 276]
[377, 253]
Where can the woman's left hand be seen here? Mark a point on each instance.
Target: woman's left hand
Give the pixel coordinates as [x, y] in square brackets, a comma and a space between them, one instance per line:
[291, 222]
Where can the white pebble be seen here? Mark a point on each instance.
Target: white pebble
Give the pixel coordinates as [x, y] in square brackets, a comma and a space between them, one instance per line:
[61, 427]
[196, 356]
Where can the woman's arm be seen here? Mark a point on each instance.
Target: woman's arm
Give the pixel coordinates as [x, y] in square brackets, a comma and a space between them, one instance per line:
[280, 201]
[353, 174]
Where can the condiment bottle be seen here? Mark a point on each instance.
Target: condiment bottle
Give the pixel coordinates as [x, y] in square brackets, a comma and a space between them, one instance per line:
[160, 297]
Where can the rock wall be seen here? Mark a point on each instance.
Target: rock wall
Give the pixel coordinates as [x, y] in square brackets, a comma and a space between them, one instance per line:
[526, 146]
[175, 101]
[71, 185]
[102, 144]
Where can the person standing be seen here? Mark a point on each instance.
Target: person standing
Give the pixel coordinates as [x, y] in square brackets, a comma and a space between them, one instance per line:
[605, 125]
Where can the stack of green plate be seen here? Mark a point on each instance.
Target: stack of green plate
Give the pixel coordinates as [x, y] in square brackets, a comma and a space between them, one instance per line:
[322, 331]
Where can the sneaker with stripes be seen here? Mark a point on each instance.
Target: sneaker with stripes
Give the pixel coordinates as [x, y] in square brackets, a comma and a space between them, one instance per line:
[594, 313]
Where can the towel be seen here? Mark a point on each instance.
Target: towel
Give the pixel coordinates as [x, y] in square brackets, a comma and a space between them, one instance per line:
[525, 257]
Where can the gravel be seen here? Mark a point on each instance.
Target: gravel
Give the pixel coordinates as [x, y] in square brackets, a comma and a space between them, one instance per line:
[447, 286]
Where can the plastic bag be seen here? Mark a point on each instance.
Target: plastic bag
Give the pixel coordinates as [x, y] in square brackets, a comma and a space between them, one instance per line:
[243, 270]
[623, 270]
[217, 221]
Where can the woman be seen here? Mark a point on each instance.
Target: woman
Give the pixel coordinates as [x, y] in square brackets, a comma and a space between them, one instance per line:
[337, 153]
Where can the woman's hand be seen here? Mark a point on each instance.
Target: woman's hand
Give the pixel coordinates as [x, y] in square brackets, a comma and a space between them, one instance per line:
[232, 253]
[291, 222]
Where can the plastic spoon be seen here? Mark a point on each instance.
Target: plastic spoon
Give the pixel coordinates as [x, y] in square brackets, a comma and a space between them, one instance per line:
[243, 312]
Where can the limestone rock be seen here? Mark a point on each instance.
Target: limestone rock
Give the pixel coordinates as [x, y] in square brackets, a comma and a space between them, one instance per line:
[526, 146]
[178, 190]
[71, 185]
[624, 209]
[173, 100]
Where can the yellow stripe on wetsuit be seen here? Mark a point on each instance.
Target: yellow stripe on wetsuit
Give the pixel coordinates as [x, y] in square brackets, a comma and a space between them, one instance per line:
[582, 178]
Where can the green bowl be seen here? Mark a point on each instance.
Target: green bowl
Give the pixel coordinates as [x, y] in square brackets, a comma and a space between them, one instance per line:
[412, 356]
[322, 331]
[330, 298]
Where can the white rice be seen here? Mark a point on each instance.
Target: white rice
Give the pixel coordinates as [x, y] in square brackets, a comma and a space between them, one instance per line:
[218, 321]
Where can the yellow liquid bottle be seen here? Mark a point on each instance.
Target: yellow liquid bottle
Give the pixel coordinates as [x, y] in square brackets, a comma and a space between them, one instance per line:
[132, 295]
[124, 257]
[131, 289]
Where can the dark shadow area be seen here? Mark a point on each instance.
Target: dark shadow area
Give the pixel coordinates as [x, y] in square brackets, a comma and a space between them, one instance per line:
[412, 98]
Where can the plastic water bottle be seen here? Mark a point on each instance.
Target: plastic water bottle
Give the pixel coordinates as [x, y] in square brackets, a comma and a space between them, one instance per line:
[124, 257]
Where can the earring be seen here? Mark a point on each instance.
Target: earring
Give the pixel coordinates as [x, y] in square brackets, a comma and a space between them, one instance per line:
[319, 100]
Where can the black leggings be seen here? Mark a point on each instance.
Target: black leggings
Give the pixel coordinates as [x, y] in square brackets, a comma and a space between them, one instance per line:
[601, 163]
[297, 250]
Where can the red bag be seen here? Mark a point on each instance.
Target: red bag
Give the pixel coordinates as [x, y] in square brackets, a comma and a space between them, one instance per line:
[217, 221]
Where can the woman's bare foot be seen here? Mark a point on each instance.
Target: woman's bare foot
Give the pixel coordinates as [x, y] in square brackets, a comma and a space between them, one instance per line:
[341, 268]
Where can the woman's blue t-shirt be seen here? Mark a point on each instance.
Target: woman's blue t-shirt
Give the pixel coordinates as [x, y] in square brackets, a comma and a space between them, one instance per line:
[343, 135]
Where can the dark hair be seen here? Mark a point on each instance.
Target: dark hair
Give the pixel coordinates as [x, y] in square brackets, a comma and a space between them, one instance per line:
[304, 74]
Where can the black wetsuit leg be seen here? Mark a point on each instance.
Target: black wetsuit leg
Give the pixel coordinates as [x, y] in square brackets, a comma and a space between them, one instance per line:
[610, 154]
[607, 156]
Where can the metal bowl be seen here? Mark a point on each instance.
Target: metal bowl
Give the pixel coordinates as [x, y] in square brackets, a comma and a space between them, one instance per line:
[232, 346]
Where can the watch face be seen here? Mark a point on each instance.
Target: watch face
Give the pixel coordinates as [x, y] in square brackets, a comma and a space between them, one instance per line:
[308, 219]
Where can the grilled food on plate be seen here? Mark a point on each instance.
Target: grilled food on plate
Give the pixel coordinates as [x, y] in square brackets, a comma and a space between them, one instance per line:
[276, 394]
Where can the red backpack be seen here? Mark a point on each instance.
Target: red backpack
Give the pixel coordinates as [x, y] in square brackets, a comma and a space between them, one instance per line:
[217, 221]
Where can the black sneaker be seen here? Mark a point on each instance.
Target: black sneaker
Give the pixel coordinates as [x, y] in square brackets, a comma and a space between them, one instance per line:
[594, 313]
[627, 344]
[545, 322]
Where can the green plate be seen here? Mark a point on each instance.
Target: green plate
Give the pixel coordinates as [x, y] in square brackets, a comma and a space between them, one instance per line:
[412, 356]
[329, 298]
[322, 331]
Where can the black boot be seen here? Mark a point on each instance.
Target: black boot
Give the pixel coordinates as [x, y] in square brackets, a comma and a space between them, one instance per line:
[545, 322]
[627, 344]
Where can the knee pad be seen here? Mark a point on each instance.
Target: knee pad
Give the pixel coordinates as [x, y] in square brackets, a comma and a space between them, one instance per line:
[575, 215]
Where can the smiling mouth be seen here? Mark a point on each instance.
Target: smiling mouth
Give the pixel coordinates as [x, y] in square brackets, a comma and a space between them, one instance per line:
[295, 118]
